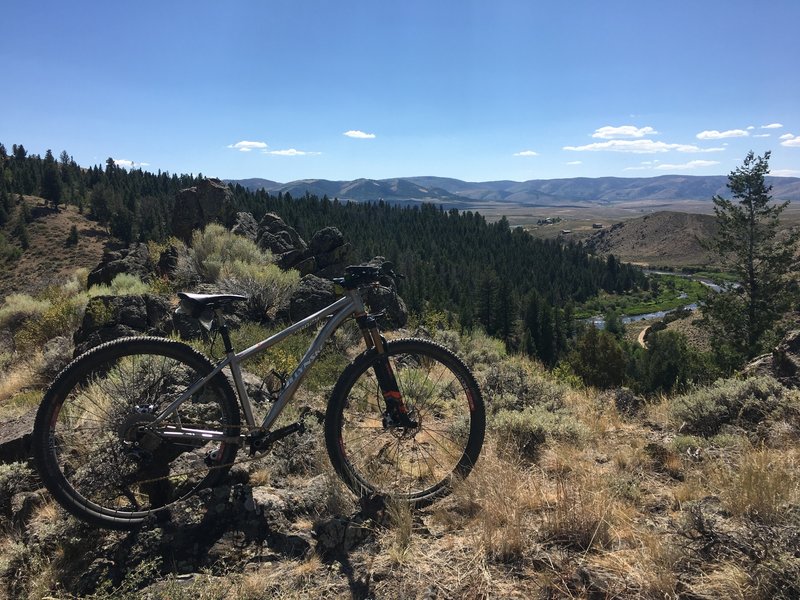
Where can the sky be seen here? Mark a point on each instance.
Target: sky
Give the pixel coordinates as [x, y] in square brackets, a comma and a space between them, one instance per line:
[475, 90]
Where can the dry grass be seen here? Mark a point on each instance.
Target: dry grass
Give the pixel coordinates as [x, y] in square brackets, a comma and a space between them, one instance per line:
[48, 256]
[761, 485]
[20, 376]
[599, 515]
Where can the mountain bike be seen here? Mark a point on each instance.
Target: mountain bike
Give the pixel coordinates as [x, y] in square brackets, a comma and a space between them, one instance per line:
[137, 424]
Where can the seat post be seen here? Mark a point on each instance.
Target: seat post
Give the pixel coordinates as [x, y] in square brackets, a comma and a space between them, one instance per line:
[223, 331]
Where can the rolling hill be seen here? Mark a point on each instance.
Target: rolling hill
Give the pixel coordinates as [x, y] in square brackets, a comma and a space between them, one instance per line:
[659, 239]
[578, 191]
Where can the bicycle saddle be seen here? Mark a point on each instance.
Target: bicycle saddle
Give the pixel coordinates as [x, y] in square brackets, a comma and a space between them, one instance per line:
[195, 304]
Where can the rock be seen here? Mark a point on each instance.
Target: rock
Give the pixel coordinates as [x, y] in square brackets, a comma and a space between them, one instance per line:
[395, 313]
[311, 295]
[333, 263]
[15, 438]
[245, 226]
[783, 363]
[341, 534]
[168, 261]
[277, 237]
[134, 260]
[290, 259]
[195, 207]
[23, 505]
[325, 240]
[306, 266]
[626, 402]
[110, 317]
[265, 502]
[786, 359]
[257, 388]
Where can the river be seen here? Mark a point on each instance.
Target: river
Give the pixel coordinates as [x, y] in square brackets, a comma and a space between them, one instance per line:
[600, 322]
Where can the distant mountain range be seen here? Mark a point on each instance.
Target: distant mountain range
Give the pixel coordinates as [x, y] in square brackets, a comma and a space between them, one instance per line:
[576, 191]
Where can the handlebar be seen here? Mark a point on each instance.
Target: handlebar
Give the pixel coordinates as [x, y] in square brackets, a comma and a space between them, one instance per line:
[356, 276]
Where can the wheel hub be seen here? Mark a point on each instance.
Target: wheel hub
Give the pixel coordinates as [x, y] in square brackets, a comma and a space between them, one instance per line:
[136, 436]
[402, 425]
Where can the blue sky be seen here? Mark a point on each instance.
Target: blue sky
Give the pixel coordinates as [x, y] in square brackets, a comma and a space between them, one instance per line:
[477, 90]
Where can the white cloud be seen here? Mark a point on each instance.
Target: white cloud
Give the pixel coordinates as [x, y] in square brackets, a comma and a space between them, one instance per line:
[129, 164]
[355, 133]
[291, 152]
[785, 173]
[649, 165]
[751, 127]
[575, 162]
[526, 153]
[792, 142]
[772, 126]
[786, 136]
[245, 146]
[761, 135]
[713, 134]
[639, 147]
[692, 164]
[624, 131]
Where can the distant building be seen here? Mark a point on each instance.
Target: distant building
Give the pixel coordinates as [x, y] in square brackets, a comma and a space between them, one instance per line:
[566, 231]
[597, 225]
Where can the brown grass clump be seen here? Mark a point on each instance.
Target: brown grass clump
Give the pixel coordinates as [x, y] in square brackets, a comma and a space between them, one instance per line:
[761, 485]
[20, 376]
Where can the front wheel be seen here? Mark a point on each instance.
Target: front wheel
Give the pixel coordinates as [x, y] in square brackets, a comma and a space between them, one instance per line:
[416, 458]
[96, 450]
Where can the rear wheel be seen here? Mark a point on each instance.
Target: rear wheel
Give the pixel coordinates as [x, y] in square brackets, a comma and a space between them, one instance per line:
[417, 457]
[96, 450]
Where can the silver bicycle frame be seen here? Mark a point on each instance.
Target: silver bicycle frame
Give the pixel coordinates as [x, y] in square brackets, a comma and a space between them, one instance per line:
[337, 312]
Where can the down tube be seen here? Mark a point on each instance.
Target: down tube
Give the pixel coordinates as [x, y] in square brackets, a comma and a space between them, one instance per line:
[308, 359]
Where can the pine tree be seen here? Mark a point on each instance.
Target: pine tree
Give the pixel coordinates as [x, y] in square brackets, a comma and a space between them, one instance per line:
[51, 180]
[72, 238]
[762, 259]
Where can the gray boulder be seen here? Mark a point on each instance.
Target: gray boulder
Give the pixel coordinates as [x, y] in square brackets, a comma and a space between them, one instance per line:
[134, 260]
[15, 438]
[246, 226]
[277, 237]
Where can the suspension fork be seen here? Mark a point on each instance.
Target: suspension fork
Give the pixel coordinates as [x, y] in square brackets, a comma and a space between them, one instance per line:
[396, 409]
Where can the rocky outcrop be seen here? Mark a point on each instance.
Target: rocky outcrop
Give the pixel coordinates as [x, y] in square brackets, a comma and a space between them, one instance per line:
[783, 363]
[329, 251]
[195, 207]
[325, 256]
[313, 294]
[246, 226]
[134, 260]
[111, 317]
[278, 237]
